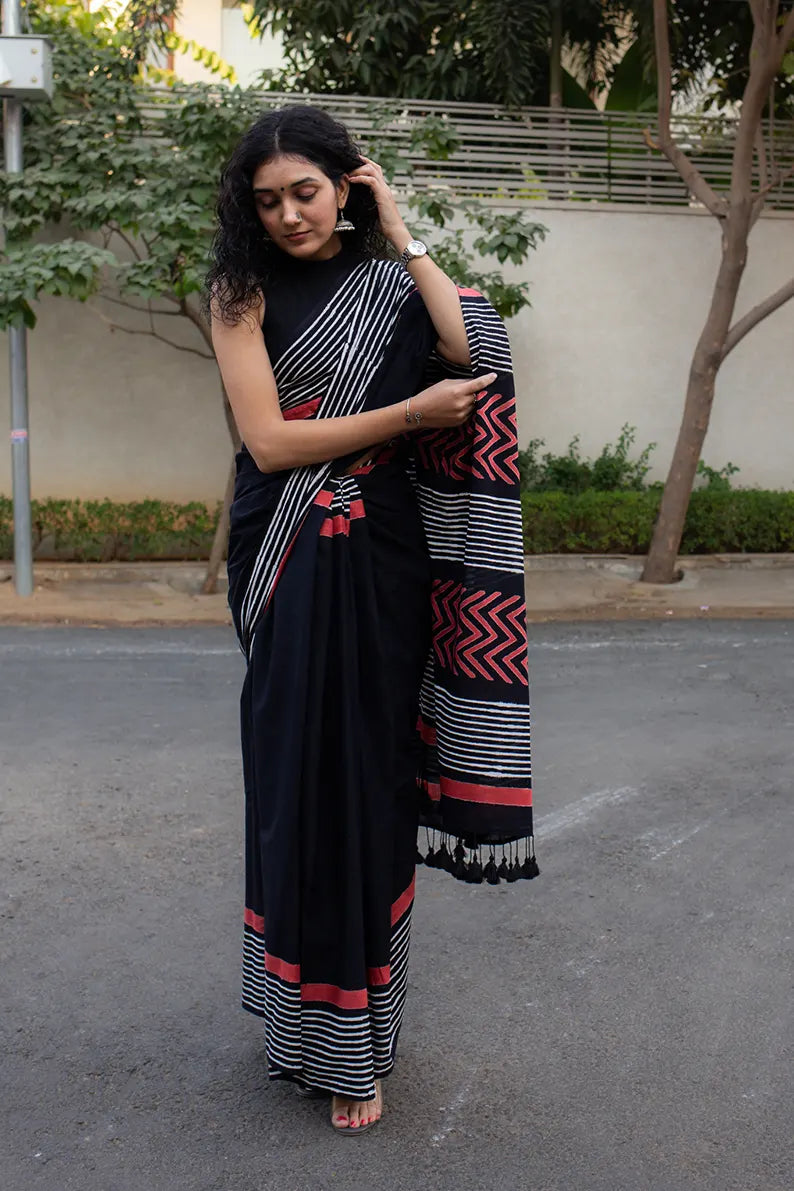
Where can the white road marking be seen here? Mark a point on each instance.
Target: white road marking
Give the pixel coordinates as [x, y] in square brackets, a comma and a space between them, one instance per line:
[50, 647]
[672, 841]
[578, 812]
[651, 643]
[451, 1114]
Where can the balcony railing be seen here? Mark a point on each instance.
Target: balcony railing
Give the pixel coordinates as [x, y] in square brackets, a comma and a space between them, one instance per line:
[542, 154]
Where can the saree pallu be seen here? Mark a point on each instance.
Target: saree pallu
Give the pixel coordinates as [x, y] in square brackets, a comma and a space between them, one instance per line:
[382, 618]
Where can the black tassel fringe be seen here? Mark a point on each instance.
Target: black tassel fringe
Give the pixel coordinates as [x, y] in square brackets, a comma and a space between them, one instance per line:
[477, 863]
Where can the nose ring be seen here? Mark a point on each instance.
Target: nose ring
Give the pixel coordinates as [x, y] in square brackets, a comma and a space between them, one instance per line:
[298, 217]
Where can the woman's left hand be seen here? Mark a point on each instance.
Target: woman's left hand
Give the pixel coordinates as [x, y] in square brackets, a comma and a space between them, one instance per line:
[391, 221]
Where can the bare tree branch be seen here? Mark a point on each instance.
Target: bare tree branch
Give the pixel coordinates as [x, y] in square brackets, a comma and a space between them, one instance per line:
[757, 315]
[141, 309]
[114, 227]
[786, 33]
[198, 320]
[764, 65]
[690, 174]
[757, 8]
[154, 335]
[776, 180]
[763, 166]
[763, 175]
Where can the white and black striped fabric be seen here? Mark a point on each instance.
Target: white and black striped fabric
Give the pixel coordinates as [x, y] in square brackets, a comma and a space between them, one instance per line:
[332, 363]
[476, 687]
[335, 1047]
[474, 703]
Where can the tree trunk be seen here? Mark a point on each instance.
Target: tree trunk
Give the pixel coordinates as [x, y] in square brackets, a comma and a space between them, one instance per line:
[669, 528]
[556, 188]
[737, 216]
[220, 541]
[555, 66]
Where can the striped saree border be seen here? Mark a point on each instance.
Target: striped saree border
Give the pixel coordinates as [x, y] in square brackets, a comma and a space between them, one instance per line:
[336, 1039]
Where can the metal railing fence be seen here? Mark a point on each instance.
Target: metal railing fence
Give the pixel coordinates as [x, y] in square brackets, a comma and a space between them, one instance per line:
[539, 154]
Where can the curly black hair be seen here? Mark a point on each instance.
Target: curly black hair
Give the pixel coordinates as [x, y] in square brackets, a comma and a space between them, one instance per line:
[244, 259]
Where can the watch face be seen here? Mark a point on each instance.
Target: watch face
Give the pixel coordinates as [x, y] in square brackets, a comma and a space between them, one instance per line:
[416, 248]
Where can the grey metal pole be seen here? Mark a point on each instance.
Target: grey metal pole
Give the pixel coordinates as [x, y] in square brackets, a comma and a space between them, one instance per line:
[18, 356]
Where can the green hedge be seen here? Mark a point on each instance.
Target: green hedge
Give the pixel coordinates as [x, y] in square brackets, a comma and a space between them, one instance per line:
[718, 522]
[105, 530]
[730, 521]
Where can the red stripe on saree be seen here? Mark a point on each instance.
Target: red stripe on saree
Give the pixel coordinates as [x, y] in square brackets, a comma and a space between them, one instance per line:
[342, 998]
[403, 902]
[280, 968]
[341, 522]
[255, 921]
[492, 795]
[307, 410]
[426, 731]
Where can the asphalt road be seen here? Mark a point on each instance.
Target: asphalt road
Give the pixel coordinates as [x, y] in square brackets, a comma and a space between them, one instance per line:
[624, 1023]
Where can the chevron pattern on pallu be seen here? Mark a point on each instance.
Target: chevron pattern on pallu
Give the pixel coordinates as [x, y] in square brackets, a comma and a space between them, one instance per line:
[474, 706]
[495, 450]
[492, 456]
[480, 633]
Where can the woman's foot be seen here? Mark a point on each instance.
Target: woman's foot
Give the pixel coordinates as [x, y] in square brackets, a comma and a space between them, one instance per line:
[356, 1115]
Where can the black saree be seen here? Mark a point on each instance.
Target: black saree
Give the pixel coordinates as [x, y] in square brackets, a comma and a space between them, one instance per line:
[329, 708]
[382, 622]
[330, 749]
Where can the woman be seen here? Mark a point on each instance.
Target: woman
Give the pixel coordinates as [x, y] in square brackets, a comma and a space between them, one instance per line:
[376, 585]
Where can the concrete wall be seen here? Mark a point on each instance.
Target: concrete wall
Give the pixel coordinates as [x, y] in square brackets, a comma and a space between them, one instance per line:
[619, 298]
[115, 415]
[220, 27]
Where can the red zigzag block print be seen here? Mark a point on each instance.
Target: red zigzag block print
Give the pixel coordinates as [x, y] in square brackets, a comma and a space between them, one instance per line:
[492, 452]
[495, 453]
[479, 634]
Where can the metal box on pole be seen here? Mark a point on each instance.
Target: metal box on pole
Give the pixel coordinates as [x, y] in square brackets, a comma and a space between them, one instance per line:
[25, 68]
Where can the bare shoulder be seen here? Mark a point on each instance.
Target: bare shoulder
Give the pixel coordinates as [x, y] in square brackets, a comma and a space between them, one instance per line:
[245, 326]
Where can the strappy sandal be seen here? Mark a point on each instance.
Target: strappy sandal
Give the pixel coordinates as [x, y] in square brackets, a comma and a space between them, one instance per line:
[309, 1093]
[355, 1130]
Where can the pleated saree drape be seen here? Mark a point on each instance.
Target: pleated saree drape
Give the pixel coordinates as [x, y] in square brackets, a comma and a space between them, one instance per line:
[382, 618]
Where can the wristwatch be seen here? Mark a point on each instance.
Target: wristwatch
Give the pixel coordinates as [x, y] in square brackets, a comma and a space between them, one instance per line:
[412, 250]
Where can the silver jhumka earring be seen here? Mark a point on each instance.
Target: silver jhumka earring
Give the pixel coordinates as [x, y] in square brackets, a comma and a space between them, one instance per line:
[342, 224]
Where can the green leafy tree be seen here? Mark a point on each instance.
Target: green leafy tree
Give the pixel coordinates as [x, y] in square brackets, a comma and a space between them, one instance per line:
[489, 51]
[131, 174]
[709, 50]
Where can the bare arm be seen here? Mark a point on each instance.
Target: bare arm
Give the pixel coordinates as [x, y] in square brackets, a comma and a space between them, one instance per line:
[275, 443]
[439, 292]
[440, 296]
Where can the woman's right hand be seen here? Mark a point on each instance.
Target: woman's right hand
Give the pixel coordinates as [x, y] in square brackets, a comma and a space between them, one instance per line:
[450, 402]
